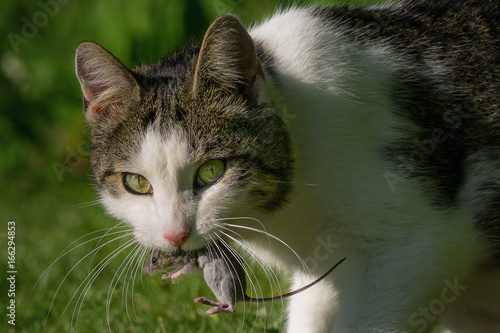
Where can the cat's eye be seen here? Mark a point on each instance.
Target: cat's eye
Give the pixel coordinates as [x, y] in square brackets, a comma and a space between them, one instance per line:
[137, 184]
[210, 172]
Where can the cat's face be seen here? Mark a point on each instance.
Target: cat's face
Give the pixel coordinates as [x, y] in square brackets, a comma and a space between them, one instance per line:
[178, 145]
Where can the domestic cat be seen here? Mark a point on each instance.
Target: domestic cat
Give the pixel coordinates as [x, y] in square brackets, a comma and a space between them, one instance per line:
[371, 133]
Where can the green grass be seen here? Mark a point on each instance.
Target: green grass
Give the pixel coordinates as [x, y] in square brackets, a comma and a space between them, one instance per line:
[45, 172]
[138, 303]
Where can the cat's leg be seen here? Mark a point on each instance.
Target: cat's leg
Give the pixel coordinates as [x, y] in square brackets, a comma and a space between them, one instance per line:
[312, 310]
[404, 289]
[478, 308]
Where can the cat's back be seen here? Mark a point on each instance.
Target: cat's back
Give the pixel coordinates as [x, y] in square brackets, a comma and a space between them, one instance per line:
[436, 62]
[456, 32]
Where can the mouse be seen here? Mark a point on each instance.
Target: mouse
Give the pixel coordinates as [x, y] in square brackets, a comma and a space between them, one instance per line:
[222, 272]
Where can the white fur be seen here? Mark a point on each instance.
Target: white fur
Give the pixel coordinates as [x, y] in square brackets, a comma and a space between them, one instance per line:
[400, 250]
[164, 162]
[169, 165]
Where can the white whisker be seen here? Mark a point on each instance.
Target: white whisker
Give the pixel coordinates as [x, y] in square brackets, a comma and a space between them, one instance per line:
[269, 235]
[79, 261]
[66, 251]
[246, 268]
[266, 267]
[92, 277]
[229, 263]
[86, 204]
[114, 282]
[272, 278]
[135, 269]
[119, 225]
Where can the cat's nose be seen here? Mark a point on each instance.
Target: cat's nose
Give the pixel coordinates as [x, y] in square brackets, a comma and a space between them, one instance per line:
[176, 239]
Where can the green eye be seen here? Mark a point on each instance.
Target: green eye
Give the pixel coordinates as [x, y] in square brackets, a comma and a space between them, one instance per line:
[137, 184]
[210, 172]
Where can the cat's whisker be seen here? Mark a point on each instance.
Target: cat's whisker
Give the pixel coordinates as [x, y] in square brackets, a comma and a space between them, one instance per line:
[222, 219]
[79, 261]
[136, 269]
[86, 204]
[253, 255]
[65, 251]
[83, 258]
[247, 269]
[129, 282]
[304, 266]
[114, 282]
[273, 279]
[241, 244]
[229, 263]
[118, 225]
[266, 268]
[92, 277]
[276, 181]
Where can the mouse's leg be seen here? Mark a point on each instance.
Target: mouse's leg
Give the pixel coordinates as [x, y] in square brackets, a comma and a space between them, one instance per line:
[176, 273]
[172, 274]
[218, 307]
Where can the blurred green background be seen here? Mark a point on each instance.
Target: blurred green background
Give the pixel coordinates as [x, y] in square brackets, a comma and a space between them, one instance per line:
[44, 165]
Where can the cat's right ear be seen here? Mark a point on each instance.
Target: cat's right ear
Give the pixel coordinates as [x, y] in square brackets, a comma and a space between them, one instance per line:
[108, 86]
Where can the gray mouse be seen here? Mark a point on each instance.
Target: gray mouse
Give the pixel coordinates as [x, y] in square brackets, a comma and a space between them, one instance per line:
[222, 272]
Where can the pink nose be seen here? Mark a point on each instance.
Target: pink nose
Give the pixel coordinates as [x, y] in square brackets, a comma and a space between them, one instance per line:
[177, 239]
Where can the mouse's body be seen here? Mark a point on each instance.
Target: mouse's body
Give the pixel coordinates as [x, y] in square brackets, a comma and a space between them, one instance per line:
[224, 274]
[222, 270]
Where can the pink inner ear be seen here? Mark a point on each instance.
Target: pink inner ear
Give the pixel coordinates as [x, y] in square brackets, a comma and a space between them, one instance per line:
[88, 96]
[87, 93]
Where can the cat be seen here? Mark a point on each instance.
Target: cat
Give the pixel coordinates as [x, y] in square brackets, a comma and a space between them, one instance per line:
[371, 133]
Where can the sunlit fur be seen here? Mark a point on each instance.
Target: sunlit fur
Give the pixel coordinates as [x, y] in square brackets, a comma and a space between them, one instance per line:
[318, 117]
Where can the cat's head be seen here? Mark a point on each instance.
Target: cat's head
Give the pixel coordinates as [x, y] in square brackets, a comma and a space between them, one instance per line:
[181, 143]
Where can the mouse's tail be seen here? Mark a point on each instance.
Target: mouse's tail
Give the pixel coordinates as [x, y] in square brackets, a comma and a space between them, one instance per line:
[294, 292]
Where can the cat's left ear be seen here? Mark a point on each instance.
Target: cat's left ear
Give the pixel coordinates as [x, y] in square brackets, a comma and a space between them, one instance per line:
[228, 60]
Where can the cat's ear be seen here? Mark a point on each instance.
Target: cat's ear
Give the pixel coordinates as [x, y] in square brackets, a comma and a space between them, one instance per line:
[108, 86]
[228, 59]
